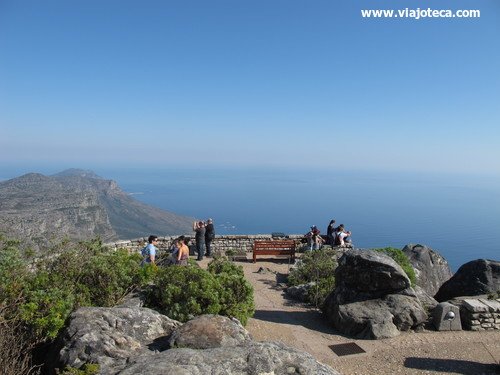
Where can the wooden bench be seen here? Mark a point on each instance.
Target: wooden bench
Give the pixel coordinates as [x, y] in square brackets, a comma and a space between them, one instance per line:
[276, 247]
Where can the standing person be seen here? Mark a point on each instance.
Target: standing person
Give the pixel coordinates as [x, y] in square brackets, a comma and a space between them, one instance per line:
[330, 233]
[209, 236]
[317, 240]
[199, 228]
[183, 252]
[149, 252]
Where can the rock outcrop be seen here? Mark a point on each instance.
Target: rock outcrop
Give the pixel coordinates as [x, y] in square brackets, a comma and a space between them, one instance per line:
[373, 298]
[109, 336]
[474, 278]
[431, 269]
[209, 331]
[141, 341]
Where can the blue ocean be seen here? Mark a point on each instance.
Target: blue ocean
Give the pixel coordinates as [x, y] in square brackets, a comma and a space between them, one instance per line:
[455, 215]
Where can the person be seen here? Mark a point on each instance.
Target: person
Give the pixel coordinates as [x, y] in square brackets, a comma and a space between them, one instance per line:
[149, 252]
[199, 228]
[317, 240]
[330, 233]
[209, 236]
[183, 252]
[343, 236]
[312, 238]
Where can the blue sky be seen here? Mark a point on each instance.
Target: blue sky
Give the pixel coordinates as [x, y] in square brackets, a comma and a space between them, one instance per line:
[249, 83]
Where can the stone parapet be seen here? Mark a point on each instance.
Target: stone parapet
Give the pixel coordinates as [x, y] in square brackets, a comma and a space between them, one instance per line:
[221, 243]
[478, 314]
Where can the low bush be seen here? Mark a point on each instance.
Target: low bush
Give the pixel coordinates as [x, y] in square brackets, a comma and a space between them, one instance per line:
[185, 292]
[316, 266]
[400, 257]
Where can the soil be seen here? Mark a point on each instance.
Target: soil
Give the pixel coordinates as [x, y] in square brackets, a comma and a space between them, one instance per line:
[278, 318]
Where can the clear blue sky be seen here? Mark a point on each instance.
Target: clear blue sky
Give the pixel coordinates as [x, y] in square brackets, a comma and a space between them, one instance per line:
[249, 83]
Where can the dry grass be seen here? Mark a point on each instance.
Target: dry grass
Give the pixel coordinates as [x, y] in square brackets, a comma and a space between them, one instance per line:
[15, 351]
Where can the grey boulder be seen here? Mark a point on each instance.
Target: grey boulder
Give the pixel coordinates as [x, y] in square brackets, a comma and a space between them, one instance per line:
[110, 335]
[254, 358]
[431, 269]
[373, 298]
[474, 278]
[209, 331]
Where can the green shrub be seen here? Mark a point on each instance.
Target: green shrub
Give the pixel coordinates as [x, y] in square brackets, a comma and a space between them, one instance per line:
[86, 369]
[66, 277]
[221, 265]
[184, 292]
[236, 297]
[402, 260]
[316, 266]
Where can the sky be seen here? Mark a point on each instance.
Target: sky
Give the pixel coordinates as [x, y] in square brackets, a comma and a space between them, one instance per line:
[240, 83]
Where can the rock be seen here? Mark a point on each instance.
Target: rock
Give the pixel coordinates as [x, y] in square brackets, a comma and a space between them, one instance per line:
[209, 331]
[137, 341]
[428, 302]
[431, 269]
[474, 278]
[366, 274]
[252, 358]
[110, 335]
[373, 298]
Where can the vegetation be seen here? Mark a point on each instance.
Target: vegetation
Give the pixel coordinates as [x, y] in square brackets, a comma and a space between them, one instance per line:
[318, 267]
[184, 292]
[86, 369]
[402, 260]
[38, 294]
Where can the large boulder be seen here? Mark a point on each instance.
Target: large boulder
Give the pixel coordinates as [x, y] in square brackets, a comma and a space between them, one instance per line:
[209, 331]
[110, 335]
[365, 274]
[431, 269]
[252, 358]
[474, 278]
[373, 298]
[141, 341]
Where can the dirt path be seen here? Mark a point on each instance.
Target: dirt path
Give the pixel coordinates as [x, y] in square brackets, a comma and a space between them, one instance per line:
[280, 319]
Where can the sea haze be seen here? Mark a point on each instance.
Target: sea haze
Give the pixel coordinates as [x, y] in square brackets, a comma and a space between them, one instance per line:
[457, 216]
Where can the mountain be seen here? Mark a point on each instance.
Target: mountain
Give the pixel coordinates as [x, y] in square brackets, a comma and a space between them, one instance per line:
[79, 204]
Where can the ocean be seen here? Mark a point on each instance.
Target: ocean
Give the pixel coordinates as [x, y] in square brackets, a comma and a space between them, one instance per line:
[458, 216]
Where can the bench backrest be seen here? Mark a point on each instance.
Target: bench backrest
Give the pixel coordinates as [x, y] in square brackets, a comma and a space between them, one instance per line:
[274, 245]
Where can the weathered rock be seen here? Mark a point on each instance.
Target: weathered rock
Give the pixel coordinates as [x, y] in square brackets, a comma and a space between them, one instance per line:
[366, 274]
[474, 278]
[110, 335]
[209, 331]
[428, 302]
[253, 358]
[377, 318]
[373, 298]
[431, 269]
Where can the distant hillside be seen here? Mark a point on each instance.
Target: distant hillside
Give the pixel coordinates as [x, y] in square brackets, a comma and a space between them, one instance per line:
[80, 205]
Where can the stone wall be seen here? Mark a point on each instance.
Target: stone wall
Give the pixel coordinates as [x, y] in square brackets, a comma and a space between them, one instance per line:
[478, 314]
[238, 243]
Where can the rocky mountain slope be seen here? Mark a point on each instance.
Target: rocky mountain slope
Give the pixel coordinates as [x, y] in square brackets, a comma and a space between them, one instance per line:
[80, 205]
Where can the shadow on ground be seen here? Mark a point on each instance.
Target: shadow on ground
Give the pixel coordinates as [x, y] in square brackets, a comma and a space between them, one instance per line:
[311, 319]
[451, 365]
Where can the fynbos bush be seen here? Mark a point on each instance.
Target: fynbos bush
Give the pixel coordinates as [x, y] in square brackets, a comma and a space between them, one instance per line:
[316, 266]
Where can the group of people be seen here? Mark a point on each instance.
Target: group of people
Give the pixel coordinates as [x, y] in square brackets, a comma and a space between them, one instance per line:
[335, 236]
[179, 251]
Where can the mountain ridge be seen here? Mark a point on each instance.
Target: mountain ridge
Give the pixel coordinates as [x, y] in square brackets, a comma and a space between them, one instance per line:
[78, 204]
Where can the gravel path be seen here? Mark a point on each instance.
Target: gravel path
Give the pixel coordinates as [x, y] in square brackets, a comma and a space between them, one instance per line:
[280, 319]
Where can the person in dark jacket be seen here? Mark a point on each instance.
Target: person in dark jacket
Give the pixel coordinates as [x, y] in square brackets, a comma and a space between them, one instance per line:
[209, 236]
[199, 228]
[330, 233]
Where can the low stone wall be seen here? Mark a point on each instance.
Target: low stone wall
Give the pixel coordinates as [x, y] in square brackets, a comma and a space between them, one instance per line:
[220, 244]
[478, 314]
